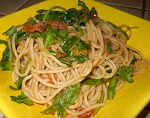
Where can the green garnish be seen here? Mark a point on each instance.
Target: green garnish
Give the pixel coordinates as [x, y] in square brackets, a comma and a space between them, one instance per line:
[22, 98]
[63, 100]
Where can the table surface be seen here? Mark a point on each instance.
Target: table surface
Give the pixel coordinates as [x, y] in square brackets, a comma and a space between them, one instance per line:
[140, 8]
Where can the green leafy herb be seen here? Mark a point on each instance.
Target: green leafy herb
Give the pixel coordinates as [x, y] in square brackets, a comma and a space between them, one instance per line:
[125, 73]
[22, 98]
[63, 32]
[93, 11]
[53, 15]
[111, 87]
[78, 28]
[41, 11]
[63, 100]
[18, 84]
[82, 45]
[20, 35]
[10, 31]
[81, 3]
[90, 81]
[36, 34]
[72, 16]
[4, 63]
[118, 28]
[50, 9]
[48, 38]
[31, 20]
[68, 60]
[70, 43]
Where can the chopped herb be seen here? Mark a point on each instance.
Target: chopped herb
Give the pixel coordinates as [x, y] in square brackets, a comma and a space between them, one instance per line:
[125, 73]
[90, 81]
[10, 31]
[68, 60]
[63, 100]
[70, 43]
[19, 36]
[48, 38]
[82, 45]
[118, 28]
[111, 87]
[4, 63]
[63, 32]
[18, 84]
[22, 98]
[36, 34]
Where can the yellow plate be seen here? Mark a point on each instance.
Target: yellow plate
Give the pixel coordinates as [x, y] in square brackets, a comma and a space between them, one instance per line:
[127, 103]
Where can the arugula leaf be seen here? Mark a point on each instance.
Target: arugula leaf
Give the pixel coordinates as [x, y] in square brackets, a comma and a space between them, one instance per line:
[72, 16]
[53, 15]
[50, 9]
[20, 35]
[93, 11]
[10, 31]
[31, 21]
[69, 16]
[111, 87]
[68, 60]
[3, 42]
[50, 35]
[118, 28]
[90, 81]
[36, 34]
[63, 100]
[68, 63]
[41, 11]
[63, 32]
[81, 3]
[79, 29]
[125, 73]
[18, 84]
[22, 98]
[70, 43]
[82, 45]
[4, 63]
[48, 39]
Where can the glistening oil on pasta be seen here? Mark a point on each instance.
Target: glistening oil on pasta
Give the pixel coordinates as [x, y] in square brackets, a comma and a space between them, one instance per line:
[62, 59]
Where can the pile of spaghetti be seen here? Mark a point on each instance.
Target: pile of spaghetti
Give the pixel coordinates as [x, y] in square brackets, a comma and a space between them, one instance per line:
[70, 60]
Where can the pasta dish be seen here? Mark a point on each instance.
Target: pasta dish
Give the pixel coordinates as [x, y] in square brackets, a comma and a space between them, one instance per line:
[70, 61]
